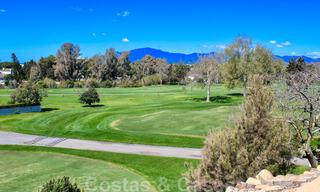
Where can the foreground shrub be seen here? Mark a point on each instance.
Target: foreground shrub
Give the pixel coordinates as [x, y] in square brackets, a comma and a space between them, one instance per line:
[90, 96]
[260, 140]
[216, 170]
[60, 185]
[28, 94]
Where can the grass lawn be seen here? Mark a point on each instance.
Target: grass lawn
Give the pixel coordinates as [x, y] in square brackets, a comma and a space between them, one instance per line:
[23, 166]
[26, 171]
[158, 115]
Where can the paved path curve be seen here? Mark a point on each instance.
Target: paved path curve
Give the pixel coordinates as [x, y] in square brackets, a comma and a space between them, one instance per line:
[10, 138]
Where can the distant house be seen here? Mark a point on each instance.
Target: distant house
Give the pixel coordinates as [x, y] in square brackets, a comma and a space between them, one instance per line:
[3, 73]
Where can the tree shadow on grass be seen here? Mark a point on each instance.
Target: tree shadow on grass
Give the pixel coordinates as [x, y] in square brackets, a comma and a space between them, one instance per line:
[48, 109]
[236, 94]
[216, 99]
[92, 106]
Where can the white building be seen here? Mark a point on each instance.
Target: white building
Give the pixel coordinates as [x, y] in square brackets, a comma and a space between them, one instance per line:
[3, 73]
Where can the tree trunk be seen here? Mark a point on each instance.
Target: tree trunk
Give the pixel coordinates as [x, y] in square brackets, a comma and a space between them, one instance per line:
[208, 92]
[310, 156]
[245, 87]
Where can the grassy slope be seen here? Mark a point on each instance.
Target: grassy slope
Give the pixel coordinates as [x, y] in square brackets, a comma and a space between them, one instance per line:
[26, 171]
[167, 115]
[158, 170]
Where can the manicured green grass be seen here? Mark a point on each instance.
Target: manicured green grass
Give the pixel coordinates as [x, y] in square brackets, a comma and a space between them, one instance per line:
[158, 115]
[297, 170]
[26, 171]
[163, 173]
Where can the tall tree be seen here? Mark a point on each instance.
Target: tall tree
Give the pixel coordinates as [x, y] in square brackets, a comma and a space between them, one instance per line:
[123, 66]
[299, 97]
[68, 66]
[178, 72]
[46, 64]
[112, 61]
[162, 68]
[99, 68]
[239, 65]
[17, 72]
[35, 72]
[295, 66]
[245, 61]
[148, 65]
[207, 72]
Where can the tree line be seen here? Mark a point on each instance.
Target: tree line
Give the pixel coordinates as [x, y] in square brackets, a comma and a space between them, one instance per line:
[232, 67]
[104, 70]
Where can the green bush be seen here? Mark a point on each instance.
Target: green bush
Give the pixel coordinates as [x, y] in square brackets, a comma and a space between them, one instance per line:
[50, 83]
[125, 82]
[66, 84]
[28, 94]
[106, 84]
[297, 170]
[151, 80]
[91, 83]
[12, 84]
[90, 96]
[78, 84]
[60, 185]
[41, 84]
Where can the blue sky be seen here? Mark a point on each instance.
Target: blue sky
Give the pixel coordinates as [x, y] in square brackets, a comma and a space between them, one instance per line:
[34, 28]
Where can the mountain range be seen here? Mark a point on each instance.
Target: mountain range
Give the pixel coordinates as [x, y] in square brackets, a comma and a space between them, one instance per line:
[137, 54]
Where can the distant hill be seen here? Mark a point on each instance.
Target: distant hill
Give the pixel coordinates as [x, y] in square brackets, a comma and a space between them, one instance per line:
[307, 59]
[137, 54]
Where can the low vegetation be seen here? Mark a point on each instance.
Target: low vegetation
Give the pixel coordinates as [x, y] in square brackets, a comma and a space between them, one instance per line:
[260, 140]
[60, 185]
[28, 94]
[89, 96]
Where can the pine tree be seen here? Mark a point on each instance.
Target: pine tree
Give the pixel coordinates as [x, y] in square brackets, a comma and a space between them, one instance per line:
[260, 140]
[295, 66]
[17, 72]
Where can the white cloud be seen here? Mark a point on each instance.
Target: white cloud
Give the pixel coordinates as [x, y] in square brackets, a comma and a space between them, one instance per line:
[221, 46]
[94, 34]
[293, 53]
[123, 14]
[125, 40]
[314, 54]
[286, 43]
[280, 45]
[3, 11]
[103, 34]
[273, 42]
